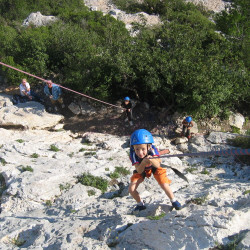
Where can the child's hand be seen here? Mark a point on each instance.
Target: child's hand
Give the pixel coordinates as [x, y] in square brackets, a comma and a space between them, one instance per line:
[146, 161]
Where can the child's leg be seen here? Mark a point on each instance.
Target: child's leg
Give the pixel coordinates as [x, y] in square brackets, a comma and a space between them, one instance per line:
[167, 190]
[132, 189]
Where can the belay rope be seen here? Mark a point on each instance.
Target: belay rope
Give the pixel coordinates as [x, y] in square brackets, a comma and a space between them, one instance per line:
[41, 79]
[220, 153]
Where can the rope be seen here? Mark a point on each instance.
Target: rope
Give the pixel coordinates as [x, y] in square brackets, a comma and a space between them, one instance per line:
[39, 78]
[221, 153]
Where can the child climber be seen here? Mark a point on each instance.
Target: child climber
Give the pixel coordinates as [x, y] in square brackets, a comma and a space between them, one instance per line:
[186, 128]
[127, 105]
[142, 153]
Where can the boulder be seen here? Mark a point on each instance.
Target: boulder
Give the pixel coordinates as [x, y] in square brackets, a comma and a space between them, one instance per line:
[220, 137]
[37, 19]
[29, 115]
[74, 108]
[180, 140]
[237, 120]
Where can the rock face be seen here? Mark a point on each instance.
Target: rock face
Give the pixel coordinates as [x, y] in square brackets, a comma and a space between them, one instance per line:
[43, 206]
[237, 120]
[28, 115]
[214, 5]
[37, 19]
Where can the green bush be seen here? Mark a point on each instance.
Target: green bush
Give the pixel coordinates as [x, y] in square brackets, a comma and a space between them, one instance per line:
[34, 155]
[199, 200]
[91, 192]
[118, 172]
[27, 168]
[20, 140]
[3, 161]
[54, 148]
[93, 181]
[157, 217]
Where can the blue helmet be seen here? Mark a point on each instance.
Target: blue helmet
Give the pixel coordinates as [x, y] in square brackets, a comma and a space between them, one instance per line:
[141, 136]
[188, 118]
[126, 98]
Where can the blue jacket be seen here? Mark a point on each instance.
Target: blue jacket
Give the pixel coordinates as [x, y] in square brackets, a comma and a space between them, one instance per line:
[56, 91]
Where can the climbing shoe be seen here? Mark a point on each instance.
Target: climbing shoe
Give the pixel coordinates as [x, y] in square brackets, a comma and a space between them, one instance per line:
[176, 205]
[138, 208]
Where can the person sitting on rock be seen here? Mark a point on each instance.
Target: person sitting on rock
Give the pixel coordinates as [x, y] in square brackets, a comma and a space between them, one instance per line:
[26, 93]
[187, 125]
[127, 106]
[142, 153]
[54, 92]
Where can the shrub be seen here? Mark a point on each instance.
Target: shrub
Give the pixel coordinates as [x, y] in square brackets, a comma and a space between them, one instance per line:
[20, 140]
[118, 172]
[3, 161]
[54, 148]
[65, 186]
[91, 192]
[246, 192]
[204, 171]
[48, 203]
[157, 217]
[34, 155]
[17, 241]
[199, 200]
[27, 168]
[93, 181]
[90, 153]
[190, 169]
[235, 130]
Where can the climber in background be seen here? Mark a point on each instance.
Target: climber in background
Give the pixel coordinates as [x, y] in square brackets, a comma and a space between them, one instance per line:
[187, 125]
[54, 92]
[127, 106]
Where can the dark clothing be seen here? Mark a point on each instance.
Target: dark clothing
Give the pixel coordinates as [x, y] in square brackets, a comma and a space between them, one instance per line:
[186, 128]
[185, 131]
[127, 107]
[50, 90]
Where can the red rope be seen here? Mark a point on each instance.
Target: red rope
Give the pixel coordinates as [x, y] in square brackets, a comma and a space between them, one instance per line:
[24, 72]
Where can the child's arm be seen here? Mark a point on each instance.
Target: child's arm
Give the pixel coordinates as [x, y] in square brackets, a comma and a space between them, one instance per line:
[155, 162]
[140, 167]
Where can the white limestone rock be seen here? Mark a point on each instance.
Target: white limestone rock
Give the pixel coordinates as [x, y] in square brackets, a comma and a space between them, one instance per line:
[180, 140]
[28, 115]
[220, 137]
[74, 108]
[237, 120]
[37, 19]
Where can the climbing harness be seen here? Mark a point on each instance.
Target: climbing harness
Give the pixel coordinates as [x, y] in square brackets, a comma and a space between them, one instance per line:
[76, 92]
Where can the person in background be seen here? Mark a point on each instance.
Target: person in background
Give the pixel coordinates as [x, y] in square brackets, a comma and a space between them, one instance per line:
[187, 125]
[127, 106]
[54, 92]
[26, 93]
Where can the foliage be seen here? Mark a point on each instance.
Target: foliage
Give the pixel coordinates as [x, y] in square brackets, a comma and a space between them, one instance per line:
[240, 141]
[157, 217]
[48, 203]
[118, 172]
[246, 192]
[91, 192]
[199, 200]
[190, 169]
[17, 241]
[204, 171]
[235, 130]
[34, 155]
[93, 181]
[90, 153]
[54, 148]
[27, 168]
[20, 140]
[186, 63]
[65, 186]
[3, 161]
[2, 184]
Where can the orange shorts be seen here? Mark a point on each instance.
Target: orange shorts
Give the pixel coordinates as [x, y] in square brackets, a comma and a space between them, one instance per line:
[160, 176]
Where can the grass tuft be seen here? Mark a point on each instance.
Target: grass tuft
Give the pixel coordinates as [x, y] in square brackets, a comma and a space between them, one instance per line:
[157, 217]
[93, 181]
[27, 168]
[54, 148]
[34, 155]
